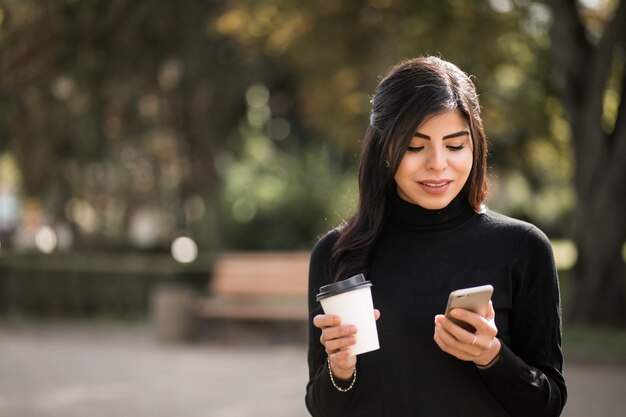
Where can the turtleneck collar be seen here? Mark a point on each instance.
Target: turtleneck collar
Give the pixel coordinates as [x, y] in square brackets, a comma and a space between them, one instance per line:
[409, 216]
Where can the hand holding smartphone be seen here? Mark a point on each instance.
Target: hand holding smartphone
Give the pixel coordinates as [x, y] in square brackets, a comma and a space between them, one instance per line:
[475, 299]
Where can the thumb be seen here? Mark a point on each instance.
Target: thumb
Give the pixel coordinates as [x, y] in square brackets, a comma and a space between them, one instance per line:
[491, 313]
[376, 314]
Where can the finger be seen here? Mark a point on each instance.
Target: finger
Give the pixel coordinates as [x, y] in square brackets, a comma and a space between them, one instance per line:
[376, 314]
[438, 341]
[450, 328]
[326, 320]
[480, 323]
[450, 341]
[491, 313]
[340, 357]
[472, 343]
[334, 345]
[484, 325]
[457, 331]
[336, 332]
[343, 359]
[448, 345]
[458, 339]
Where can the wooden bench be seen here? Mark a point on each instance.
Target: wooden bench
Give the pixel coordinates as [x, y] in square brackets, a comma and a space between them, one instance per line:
[258, 286]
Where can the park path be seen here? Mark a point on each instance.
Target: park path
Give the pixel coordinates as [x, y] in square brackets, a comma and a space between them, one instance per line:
[54, 370]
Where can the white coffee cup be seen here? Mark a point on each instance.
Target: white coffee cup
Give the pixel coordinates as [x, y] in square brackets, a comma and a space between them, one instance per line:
[351, 300]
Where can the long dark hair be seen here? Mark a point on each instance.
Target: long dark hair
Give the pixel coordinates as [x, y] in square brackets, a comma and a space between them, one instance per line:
[411, 92]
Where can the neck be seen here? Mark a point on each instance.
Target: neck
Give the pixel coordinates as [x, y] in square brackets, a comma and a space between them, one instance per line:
[414, 217]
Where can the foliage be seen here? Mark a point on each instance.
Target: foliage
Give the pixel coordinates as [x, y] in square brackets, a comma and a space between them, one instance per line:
[336, 52]
[589, 49]
[593, 343]
[114, 110]
[118, 108]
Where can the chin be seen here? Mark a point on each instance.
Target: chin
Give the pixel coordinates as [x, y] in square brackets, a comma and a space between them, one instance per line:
[426, 202]
[433, 205]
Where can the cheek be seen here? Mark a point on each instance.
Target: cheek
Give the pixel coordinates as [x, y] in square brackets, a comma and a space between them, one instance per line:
[464, 163]
[406, 168]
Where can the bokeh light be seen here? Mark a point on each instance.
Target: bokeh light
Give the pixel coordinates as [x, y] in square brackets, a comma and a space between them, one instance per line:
[46, 239]
[184, 250]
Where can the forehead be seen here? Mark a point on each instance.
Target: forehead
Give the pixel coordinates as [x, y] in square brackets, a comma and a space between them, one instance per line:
[448, 120]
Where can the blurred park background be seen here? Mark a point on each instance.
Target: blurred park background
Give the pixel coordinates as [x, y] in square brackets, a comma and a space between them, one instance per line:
[139, 140]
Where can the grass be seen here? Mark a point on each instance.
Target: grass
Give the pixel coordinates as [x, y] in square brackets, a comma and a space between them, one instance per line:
[587, 342]
[594, 344]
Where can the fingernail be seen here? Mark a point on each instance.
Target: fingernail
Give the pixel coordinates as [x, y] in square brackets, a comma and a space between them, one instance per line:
[456, 313]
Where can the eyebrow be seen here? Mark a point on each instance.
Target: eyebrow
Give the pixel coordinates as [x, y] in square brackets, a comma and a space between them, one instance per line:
[450, 136]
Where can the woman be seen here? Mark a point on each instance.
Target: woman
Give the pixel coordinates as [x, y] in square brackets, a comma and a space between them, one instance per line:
[420, 231]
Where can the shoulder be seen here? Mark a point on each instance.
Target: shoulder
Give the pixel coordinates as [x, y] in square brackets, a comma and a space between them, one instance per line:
[518, 231]
[325, 243]
[319, 267]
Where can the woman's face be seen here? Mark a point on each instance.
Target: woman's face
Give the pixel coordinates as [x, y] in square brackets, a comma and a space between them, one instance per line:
[437, 163]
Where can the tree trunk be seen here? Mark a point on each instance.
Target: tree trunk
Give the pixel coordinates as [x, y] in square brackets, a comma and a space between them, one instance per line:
[212, 105]
[581, 73]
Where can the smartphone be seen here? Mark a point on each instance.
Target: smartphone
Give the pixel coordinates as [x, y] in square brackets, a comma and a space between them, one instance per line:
[475, 299]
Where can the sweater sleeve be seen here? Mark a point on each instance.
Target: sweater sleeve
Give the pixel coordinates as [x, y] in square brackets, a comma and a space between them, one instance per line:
[322, 398]
[528, 378]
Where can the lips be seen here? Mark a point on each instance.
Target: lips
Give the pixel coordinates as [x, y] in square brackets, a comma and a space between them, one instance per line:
[435, 183]
[435, 186]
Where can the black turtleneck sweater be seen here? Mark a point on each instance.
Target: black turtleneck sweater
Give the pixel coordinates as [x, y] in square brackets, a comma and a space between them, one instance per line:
[420, 256]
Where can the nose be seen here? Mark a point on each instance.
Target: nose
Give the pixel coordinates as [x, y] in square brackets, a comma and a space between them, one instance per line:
[436, 160]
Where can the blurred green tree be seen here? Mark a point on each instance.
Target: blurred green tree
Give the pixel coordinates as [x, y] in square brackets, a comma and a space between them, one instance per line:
[114, 105]
[589, 56]
[116, 110]
[242, 120]
[333, 53]
[335, 48]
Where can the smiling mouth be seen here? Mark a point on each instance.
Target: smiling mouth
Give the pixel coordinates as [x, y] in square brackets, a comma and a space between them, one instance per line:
[436, 184]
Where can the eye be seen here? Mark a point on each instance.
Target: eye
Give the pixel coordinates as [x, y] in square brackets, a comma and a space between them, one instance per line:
[415, 148]
[455, 148]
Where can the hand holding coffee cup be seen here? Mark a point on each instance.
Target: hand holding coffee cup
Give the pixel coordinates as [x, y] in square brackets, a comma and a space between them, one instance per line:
[337, 339]
[348, 325]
